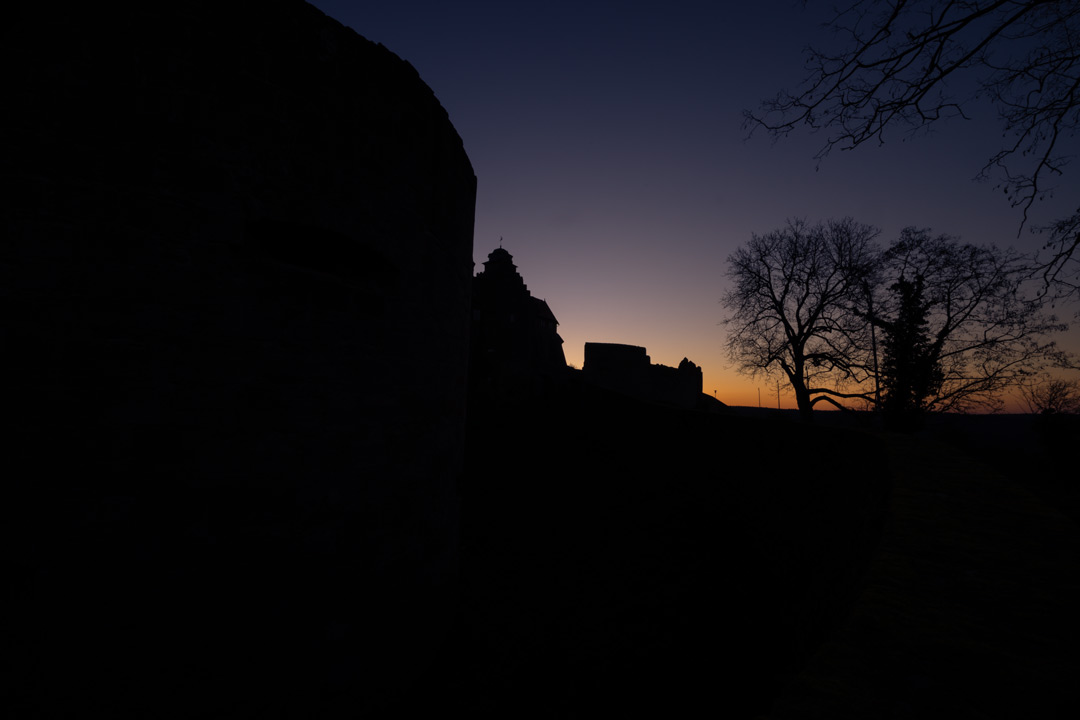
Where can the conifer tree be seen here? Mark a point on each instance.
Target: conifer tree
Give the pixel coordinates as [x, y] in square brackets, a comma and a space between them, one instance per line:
[911, 367]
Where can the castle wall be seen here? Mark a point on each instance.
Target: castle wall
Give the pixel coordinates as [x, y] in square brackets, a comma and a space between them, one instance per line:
[626, 369]
[235, 305]
[616, 365]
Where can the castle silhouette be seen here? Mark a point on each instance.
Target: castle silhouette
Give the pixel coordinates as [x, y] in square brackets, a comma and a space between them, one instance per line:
[517, 353]
[516, 348]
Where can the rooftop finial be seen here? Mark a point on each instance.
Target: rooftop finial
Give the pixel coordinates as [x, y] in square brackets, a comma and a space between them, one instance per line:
[500, 241]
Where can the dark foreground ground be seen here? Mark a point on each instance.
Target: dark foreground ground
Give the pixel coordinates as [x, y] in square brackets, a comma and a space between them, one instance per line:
[622, 558]
[617, 559]
[967, 610]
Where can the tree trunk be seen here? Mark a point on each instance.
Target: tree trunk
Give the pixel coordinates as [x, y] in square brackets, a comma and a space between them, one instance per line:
[802, 399]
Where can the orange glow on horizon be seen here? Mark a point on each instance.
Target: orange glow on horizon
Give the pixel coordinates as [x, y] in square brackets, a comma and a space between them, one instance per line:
[735, 389]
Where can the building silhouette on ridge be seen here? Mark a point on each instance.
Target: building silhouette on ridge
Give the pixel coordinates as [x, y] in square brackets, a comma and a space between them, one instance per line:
[628, 369]
[516, 349]
[517, 353]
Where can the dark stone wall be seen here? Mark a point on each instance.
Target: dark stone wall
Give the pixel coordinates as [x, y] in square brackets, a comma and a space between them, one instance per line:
[680, 386]
[234, 308]
[627, 369]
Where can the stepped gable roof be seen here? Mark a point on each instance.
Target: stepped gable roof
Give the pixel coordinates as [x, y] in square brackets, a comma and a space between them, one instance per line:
[542, 310]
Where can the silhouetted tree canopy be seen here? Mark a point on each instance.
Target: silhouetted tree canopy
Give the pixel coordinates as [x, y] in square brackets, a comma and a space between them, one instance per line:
[985, 332]
[1052, 396]
[789, 302]
[929, 324]
[910, 63]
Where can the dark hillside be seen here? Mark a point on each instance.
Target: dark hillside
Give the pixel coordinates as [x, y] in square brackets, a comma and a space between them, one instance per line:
[1038, 452]
[618, 555]
[968, 608]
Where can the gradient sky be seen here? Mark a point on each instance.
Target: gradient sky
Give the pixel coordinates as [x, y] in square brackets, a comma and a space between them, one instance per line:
[610, 156]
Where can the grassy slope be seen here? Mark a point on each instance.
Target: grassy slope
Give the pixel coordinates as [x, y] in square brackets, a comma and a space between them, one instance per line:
[620, 557]
[968, 608]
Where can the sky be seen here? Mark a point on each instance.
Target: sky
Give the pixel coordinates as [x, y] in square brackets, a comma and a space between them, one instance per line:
[611, 159]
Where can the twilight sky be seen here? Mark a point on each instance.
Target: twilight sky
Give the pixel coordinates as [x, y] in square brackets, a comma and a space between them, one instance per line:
[610, 156]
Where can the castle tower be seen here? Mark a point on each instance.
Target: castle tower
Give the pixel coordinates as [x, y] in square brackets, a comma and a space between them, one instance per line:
[516, 348]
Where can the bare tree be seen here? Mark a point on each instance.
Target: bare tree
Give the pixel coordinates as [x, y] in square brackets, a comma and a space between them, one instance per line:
[789, 303]
[1052, 396]
[985, 335]
[807, 302]
[902, 64]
